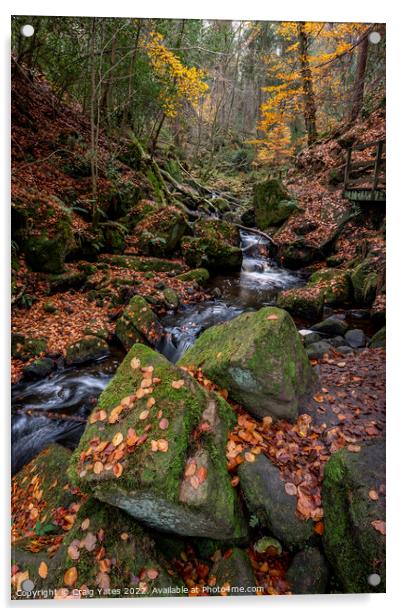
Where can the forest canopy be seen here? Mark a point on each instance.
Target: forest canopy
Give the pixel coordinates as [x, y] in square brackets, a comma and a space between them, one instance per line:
[209, 87]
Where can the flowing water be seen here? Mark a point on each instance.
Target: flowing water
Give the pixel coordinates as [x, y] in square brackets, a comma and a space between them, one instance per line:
[54, 409]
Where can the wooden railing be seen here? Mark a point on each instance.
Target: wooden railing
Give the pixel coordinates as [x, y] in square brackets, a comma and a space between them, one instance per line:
[377, 164]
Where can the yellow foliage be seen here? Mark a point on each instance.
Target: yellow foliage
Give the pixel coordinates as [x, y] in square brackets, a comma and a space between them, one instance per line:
[181, 83]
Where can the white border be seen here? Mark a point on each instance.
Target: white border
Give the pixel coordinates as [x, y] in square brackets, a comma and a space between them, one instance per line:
[336, 10]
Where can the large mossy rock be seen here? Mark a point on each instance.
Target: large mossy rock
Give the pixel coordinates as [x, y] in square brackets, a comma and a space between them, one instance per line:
[200, 275]
[25, 348]
[353, 546]
[304, 302]
[86, 349]
[272, 204]
[161, 231]
[138, 323]
[335, 285]
[259, 358]
[38, 490]
[43, 228]
[105, 552]
[145, 264]
[234, 573]
[308, 573]
[155, 447]
[215, 246]
[113, 237]
[364, 280]
[266, 498]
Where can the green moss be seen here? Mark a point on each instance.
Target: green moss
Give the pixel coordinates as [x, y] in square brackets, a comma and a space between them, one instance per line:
[305, 303]
[150, 487]
[335, 285]
[199, 275]
[364, 280]
[272, 204]
[354, 548]
[259, 358]
[138, 323]
[145, 264]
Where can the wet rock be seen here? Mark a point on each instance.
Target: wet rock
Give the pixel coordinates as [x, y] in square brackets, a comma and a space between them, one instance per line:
[335, 285]
[235, 573]
[309, 337]
[199, 275]
[353, 546]
[305, 303]
[331, 326]
[171, 298]
[39, 368]
[173, 476]
[86, 349]
[299, 254]
[272, 204]
[259, 358]
[25, 348]
[308, 573]
[266, 498]
[215, 246]
[317, 349]
[160, 233]
[344, 349]
[138, 323]
[355, 338]
[337, 341]
[378, 340]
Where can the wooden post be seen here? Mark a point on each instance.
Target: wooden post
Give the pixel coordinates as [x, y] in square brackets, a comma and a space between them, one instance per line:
[377, 168]
[347, 167]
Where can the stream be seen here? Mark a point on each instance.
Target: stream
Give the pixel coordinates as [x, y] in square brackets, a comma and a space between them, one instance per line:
[72, 392]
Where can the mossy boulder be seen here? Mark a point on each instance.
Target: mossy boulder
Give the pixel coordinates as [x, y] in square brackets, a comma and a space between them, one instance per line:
[215, 246]
[259, 358]
[88, 348]
[307, 303]
[266, 498]
[272, 204]
[308, 573]
[199, 275]
[335, 285]
[44, 254]
[378, 340]
[25, 348]
[168, 435]
[138, 323]
[161, 231]
[354, 547]
[145, 264]
[364, 280]
[234, 574]
[39, 368]
[105, 552]
[42, 483]
[171, 298]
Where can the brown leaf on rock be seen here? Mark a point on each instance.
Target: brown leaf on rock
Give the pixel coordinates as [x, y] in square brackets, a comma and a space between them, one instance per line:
[43, 570]
[178, 384]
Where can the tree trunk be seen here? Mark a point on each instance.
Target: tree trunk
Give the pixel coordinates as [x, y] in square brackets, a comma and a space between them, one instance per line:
[310, 110]
[358, 89]
[93, 122]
